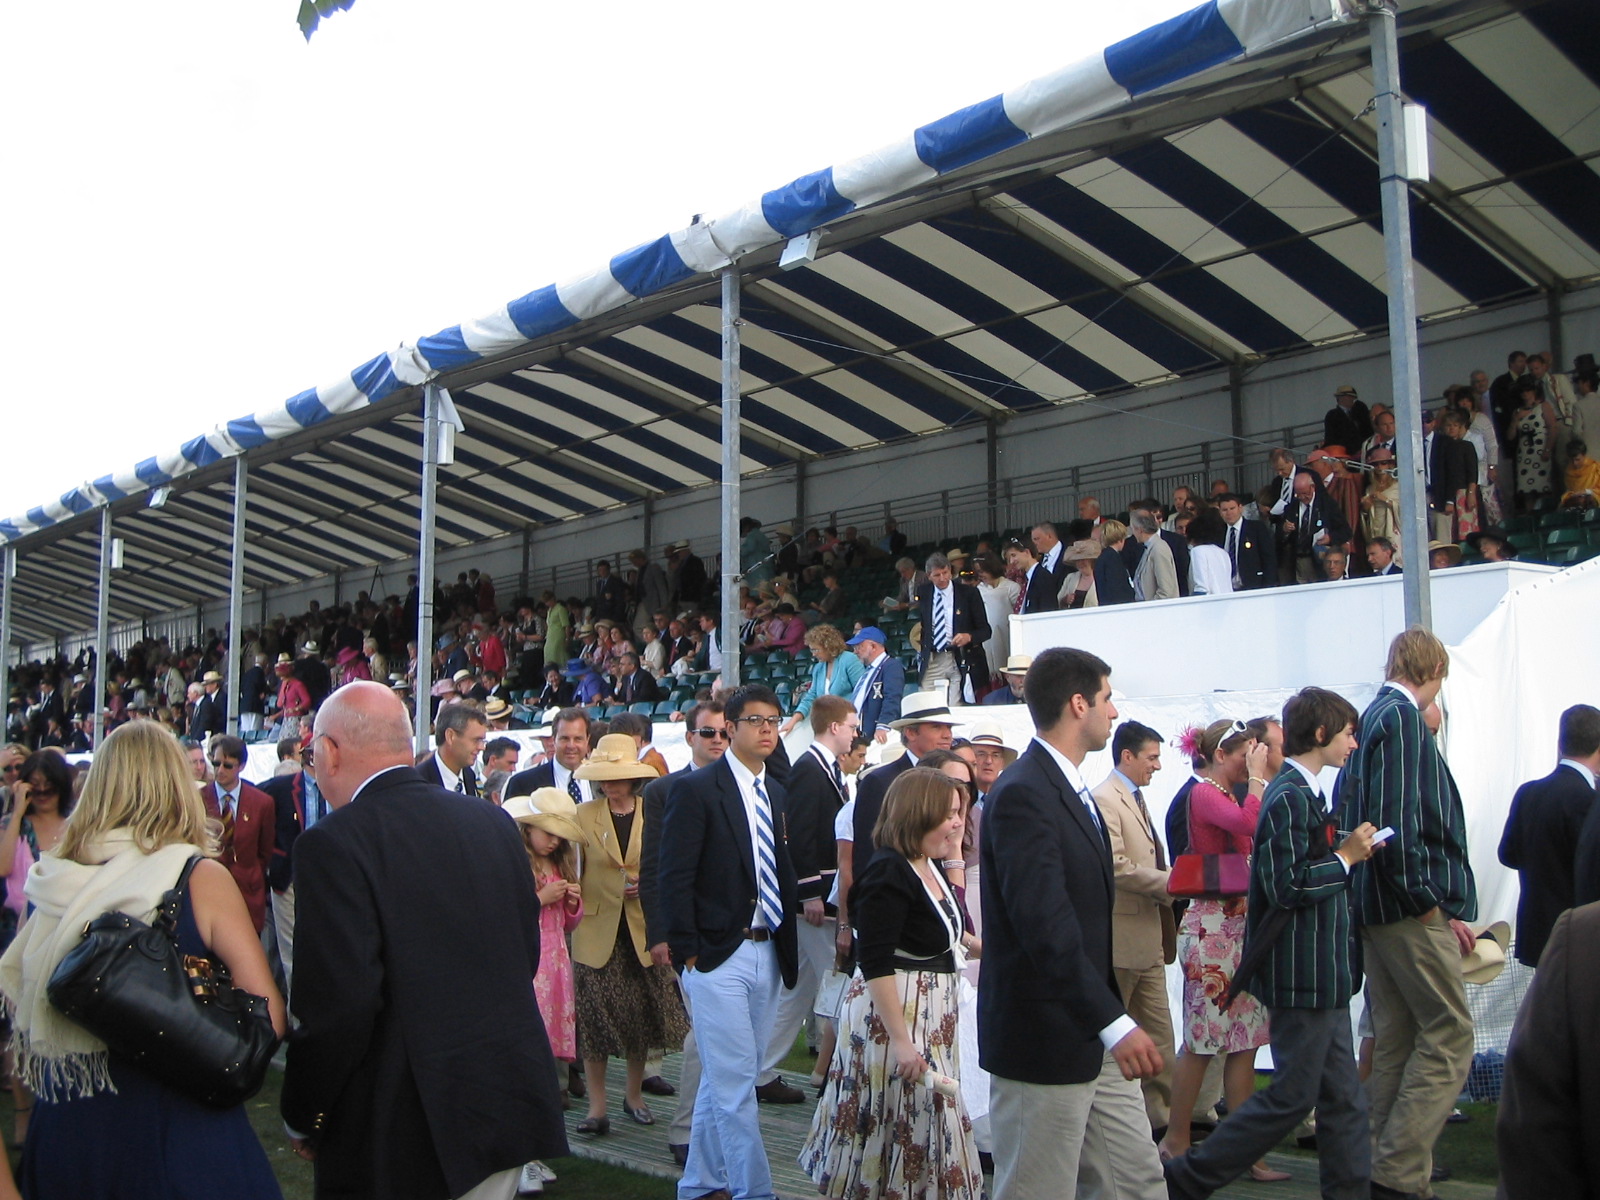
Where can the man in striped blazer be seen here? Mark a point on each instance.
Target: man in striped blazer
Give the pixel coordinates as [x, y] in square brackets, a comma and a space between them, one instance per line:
[1297, 940]
[1411, 905]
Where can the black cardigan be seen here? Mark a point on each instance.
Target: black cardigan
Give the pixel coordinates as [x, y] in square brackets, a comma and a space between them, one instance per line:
[892, 912]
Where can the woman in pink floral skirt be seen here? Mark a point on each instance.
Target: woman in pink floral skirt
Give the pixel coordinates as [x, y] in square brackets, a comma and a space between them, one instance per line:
[1211, 936]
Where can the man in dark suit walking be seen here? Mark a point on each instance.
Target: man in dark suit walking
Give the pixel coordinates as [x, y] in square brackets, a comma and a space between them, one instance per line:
[571, 737]
[1550, 1108]
[881, 686]
[1039, 587]
[728, 893]
[1412, 902]
[1543, 838]
[1249, 547]
[954, 629]
[1063, 1054]
[1299, 945]
[459, 731]
[403, 1080]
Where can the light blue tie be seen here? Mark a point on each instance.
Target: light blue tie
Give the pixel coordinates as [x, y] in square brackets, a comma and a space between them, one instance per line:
[768, 897]
[1094, 812]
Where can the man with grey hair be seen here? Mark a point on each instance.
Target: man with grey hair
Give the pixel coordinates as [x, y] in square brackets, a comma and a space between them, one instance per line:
[1051, 552]
[954, 628]
[1155, 578]
[392, 888]
[906, 593]
[459, 732]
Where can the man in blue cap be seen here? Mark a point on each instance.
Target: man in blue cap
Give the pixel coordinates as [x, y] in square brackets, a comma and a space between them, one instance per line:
[878, 692]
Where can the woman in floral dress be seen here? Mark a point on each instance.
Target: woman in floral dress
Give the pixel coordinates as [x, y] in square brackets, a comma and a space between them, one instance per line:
[882, 1130]
[1211, 936]
[1534, 424]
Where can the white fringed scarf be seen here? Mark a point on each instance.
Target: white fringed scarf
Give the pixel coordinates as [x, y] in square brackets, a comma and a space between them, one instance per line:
[55, 1057]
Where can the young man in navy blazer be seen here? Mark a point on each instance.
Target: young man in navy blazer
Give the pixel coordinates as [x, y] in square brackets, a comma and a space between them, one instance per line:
[1063, 1054]
[1548, 820]
[728, 895]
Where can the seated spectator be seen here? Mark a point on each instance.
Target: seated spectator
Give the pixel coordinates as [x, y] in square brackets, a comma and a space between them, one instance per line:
[1335, 563]
[631, 684]
[1442, 555]
[1380, 506]
[1112, 583]
[1493, 544]
[557, 692]
[1210, 572]
[1583, 477]
[906, 591]
[1380, 557]
[588, 685]
[654, 653]
[1014, 672]
[833, 605]
[784, 630]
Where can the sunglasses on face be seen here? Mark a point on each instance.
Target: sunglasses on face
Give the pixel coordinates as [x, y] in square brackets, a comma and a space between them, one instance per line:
[223, 764]
[13, 769]
[709, 732]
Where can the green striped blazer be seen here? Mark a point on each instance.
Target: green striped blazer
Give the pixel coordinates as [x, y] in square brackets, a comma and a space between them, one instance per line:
[1314, 962]
[1397, 778]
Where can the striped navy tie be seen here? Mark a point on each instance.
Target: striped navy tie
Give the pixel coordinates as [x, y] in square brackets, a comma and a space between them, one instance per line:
[941, 630]
[767, 894]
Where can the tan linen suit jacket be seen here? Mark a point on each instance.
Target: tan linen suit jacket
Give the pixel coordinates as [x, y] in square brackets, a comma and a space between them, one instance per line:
[1143, 932]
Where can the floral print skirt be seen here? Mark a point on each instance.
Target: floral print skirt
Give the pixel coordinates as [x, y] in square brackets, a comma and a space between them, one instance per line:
[874, 1135]
[1209, 942]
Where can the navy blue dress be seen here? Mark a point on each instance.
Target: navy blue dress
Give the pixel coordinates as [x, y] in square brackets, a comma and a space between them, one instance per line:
[144, 1141]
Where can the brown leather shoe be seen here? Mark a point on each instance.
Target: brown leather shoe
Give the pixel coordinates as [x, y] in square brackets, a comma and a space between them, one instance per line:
[779, 1092]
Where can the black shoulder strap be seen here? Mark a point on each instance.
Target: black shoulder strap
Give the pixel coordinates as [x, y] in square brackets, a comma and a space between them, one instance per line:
[172, 901]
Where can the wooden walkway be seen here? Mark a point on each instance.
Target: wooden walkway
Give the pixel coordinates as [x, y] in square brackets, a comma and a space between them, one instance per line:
[784, 1127]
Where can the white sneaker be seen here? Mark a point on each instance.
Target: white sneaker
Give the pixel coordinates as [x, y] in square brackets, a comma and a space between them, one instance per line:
[545, 1173]
[532, 1182]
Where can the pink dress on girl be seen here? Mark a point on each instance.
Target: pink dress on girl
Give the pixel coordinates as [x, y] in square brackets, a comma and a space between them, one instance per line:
[552, 985]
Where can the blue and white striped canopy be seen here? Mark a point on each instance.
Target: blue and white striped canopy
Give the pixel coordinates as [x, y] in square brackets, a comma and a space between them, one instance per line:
[1202, 194]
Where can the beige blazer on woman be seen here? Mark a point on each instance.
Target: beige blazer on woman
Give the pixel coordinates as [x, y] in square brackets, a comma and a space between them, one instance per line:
[603, 863]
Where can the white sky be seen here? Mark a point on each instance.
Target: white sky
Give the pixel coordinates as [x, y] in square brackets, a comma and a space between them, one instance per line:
[205, 215]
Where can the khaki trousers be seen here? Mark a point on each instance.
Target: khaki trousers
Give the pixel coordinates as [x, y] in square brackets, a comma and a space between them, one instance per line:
[1144, 993]
[1423, 1047]
[1090, 1139]
[943, 676]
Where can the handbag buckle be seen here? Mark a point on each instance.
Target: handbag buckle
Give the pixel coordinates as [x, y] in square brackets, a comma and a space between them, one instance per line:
[202, 973]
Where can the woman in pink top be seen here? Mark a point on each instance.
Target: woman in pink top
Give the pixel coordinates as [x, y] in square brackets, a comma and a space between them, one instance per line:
[1211, 936]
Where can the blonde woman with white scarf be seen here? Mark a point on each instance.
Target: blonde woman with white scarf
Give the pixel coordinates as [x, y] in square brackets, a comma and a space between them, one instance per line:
[101, 1125]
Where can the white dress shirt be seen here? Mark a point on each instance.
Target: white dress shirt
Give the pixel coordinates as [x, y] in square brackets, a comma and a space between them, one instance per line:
[1123, 1025]
[561, 777]
[746, 779]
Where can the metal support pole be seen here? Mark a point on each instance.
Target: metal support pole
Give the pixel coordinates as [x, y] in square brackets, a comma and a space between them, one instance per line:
[800, 498]
[1558, 352]
[102, 617]
[1404, 364]
[8, 570]
[425, 552]
[728, 621]
[527, 560]
[649, 527]
[1236, 426]
[233, 677]
[991, 460]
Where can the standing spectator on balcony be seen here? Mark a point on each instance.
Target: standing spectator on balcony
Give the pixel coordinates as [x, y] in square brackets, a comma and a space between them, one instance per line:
[1312, 524]
[1184, 503]
[557, 631]
[253, 695]
[651, 589]
[1481, 435]
[1556, 390]
[610, 595]
[999, 596]
[1347, 423]
[882, 683]
[1112, 582]
[1503, 395]
[954, 628]
[1382, 435]
[1212, 571]
[1089, 510]
[1077, 589]
[1277, 502]
[1049, 547]
[1248, 545]
[1154, 578]
[1037, 592]
[1380, 507]
[686, 574]
[1453, 482]
[1176, 543]
[210, 716]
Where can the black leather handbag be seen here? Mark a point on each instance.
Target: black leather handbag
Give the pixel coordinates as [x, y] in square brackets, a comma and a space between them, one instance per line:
[178, 1017]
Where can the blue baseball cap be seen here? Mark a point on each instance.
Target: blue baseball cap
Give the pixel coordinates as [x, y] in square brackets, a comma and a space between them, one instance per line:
[870, 634]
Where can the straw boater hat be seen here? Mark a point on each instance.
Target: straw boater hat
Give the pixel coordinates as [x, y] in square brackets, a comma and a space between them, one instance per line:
[549, 809]
[1488, 957]
[956, 555]
[284, 663]
[987, 733]
[497, 709]
[460, 675]
[680, 544]
[399, 683]
[1453, 550]
[924, 708]
[308, 648]
[1017, 664]
[616, 757]
[211, 677]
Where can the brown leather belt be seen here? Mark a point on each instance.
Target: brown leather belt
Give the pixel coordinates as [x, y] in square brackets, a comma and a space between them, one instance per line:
[758, 935]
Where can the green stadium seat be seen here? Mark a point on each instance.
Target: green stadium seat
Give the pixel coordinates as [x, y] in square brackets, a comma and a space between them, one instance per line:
[1565, 537]
[643, 707]
[1524, 542]
[1564, 555]
[664, 709]
[685, 705]
[1559, 518]
[595, 711]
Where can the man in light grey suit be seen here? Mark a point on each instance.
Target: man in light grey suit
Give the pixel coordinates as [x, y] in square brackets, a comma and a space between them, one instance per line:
[1156, 577]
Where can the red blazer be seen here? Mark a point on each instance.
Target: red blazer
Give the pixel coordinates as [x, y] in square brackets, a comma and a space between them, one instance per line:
[248, 858]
